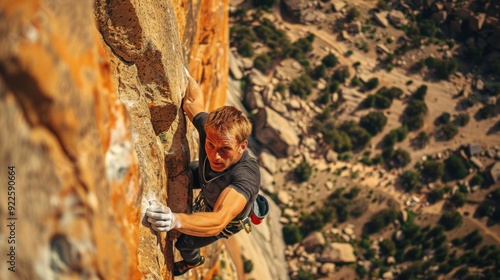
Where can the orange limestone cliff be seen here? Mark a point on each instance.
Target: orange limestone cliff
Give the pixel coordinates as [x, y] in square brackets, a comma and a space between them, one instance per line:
[90, 95]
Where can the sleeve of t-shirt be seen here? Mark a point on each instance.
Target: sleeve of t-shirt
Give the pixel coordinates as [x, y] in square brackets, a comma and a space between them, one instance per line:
[247, 180]
[199, 122]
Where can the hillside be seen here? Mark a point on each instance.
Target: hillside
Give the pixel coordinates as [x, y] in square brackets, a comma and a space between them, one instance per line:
[383, 133]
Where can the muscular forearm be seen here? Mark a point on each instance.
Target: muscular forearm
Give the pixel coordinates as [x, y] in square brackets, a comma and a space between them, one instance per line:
[193, 101]
[202, 224]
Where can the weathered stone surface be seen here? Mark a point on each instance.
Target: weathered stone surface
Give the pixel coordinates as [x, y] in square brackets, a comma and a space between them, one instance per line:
[268, 161]
[338, 252]
[381, 19]
[312, 241]
[68, 137]
[275, 133]
[327, 268]
[284, 198]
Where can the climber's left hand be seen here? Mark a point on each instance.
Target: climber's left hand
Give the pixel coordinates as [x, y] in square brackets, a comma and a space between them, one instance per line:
[161, 217]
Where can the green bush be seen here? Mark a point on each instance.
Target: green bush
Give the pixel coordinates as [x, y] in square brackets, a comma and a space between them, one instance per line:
[380, 220]
[432, 170]
[476, 180]
[416, 107]
[358, 135]
[387, 247]
[451, 220]
[373, 122]
[291, 234]
[456, 168]
[319, 72]
[458, 199]
[303, 171]
[394, 136]
[340, 75]
[435, 195]
[262, 62]
[420, 93]
[372, 83]
[301, 86]
[330, 60]
[355, 82]
[445, 118]
[409, 180]
[396, 158]
[352, 14]
[486, 112]
[422, 138]
[447, 131]
[462, 119]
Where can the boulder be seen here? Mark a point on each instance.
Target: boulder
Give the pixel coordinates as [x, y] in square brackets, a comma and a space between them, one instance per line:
[338, 5]
[476, 22]
[257, 78]
[284, 197]
[331, 156]
[254, 100]
[338, 252]
[275, 132]
[268, 161]
[327, 268]
[312, 241]
[397, 18]
[266, 181]
[234, 68]
[388, 275]
[381, 18]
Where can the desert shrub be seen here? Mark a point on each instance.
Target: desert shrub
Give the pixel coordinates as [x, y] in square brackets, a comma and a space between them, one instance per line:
[462, 119]
[358, 135]
[396, 158]
[387, 247]
[414, 122]
[455, 167]
[444, 118]
[414, 254]
[340, 141]
[355, 82]
[380, 220]
[409, 180]
[476, 180]
[301, 86]
[432, 170]
[303, 171]
[262, 62]
[330, 60]
[445, 67]
[304, 44]
[291, 234]
[420, 93]
[450, 220]
[352, 14]
[319, 72]
[435, 194]
[447, 131]
[394, 136]
[372, 83]
[373, 122]
[340, 75]
[486, 112]
[422, 138]
[416, 107]
[458, 199]
[333, 86]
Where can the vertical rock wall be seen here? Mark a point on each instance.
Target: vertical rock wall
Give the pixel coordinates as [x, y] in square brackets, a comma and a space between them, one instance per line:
[67, 135]
[90, 94]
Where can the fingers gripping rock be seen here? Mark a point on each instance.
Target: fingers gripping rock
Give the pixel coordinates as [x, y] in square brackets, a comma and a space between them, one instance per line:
[161, 217]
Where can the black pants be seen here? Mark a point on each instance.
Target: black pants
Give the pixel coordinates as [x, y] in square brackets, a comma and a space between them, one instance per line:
[188, 245]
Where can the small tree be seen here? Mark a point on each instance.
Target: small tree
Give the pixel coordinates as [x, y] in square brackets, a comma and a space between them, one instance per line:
[330, 60]
[456, 167]
[451, 220]
[303, 171]
[291, 234]
[352, 14]
[420, 93]
[262, 62]
[409, 180]
[432, 170]
[458, 199]
[373, 122]
[372, 83]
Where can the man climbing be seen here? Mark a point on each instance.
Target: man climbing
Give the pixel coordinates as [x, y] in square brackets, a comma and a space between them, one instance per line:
[228, 176]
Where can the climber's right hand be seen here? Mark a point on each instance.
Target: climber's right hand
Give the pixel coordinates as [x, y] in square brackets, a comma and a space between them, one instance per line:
[161, 217]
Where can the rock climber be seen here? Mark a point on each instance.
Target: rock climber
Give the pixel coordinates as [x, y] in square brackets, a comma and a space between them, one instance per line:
[227, 174]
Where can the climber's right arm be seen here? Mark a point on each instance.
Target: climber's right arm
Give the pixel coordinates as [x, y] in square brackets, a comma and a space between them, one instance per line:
[193, 101]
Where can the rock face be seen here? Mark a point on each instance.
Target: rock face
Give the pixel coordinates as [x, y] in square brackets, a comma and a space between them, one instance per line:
[275, 132]
[338, 252]
[87, 164]
[68, 138]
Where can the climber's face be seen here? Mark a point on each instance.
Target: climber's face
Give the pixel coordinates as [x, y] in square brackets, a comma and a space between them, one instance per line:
[222, 149]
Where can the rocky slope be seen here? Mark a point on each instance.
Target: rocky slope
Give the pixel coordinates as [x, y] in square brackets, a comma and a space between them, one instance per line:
[90, 94]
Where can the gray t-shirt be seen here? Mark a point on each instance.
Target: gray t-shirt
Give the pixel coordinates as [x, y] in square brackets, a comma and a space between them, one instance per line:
[243, 176]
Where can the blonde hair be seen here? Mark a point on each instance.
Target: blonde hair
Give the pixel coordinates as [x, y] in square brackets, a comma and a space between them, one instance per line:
[228, 119]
